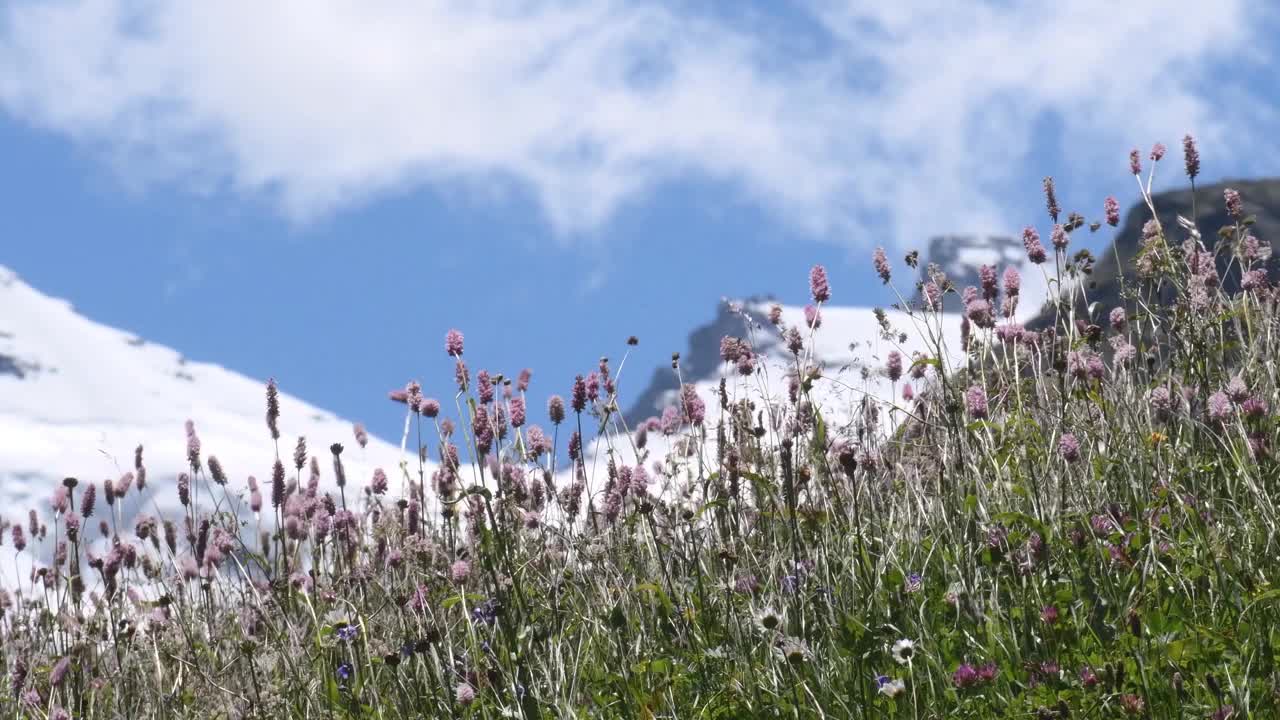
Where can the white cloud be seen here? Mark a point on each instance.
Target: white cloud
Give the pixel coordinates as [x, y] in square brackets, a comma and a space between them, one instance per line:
[901, 119]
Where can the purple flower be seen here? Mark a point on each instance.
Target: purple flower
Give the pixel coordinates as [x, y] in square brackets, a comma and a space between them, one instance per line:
[193, 446]
[881, 263]
[893, 365]
[1112, 210]
[59, 671]
[1051, 199]
[1253, 280]
[578, 398]
[1191, 156]
[1157, 152]
[19, 538]
[1254, 407]
[1012, 281]
[692, 406]
[1135, 161]
[987, 277]
[90, 494]
[344, 672]
[453, 343]
[273, 408]
[1219, 407]
[1118, 319]
[1031, 241]
[347, 633]
[555, 409]
[818, 285]
[979, 312]
[517, 411]
[976, 401]
[464, 694]
[430, 407]
[812, 316]
[932, 295]
[379, 484]
[1235, 206]
[1069, 447]
[1059, 237]
[965, 676]
[1049, 615]
[1237, 390]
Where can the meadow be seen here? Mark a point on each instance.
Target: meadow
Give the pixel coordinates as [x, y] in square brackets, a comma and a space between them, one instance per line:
[1073, 521]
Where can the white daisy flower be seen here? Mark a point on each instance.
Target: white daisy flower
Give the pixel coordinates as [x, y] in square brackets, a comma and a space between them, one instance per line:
[769, 620]
[903, 651]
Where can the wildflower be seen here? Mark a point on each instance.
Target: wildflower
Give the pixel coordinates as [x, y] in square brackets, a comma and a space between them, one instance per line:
[1226, 712]
[379, 484]
[1132, 704]
[555, 409]
[517, 411]
[812, 317]
[893, 365]
[1059, 237]
[775, 314]
[964, 676]
[793, 650]
[1049, 615]
[1190, 156]
[1088, 677]
[193, 446]
[1219, 407]
[1118, 319]
[913, 584]
[692, 406]
[1252, 280]
[903, 651]
[361, 435]
[1254, 407]
[1135, 162]
[273, 408]
[932, 295]
[1031, 241]
[465, 694]
[1012, 281]
[19, 538]
[59, 671]
[453, 343]
[976, 401]
[988, 672]
[818, 285]
[344, 671]
[430, 408]
[1051, 199]
[979, 311]
[1069, 447]
[460, 571]
[1111, 209]
[890, 688]
[881, 262]
[908, 393]
[1161, 401]
[87, 500]
[1234, 205]
[769, 620]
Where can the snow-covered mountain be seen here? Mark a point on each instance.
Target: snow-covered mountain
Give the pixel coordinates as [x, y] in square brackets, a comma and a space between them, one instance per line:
[77, 397]
[852, 344]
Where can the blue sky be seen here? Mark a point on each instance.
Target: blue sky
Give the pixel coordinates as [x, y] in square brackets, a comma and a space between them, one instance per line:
[320, 191]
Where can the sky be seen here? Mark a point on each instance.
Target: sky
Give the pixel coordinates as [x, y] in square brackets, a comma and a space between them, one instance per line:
[318, 191]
